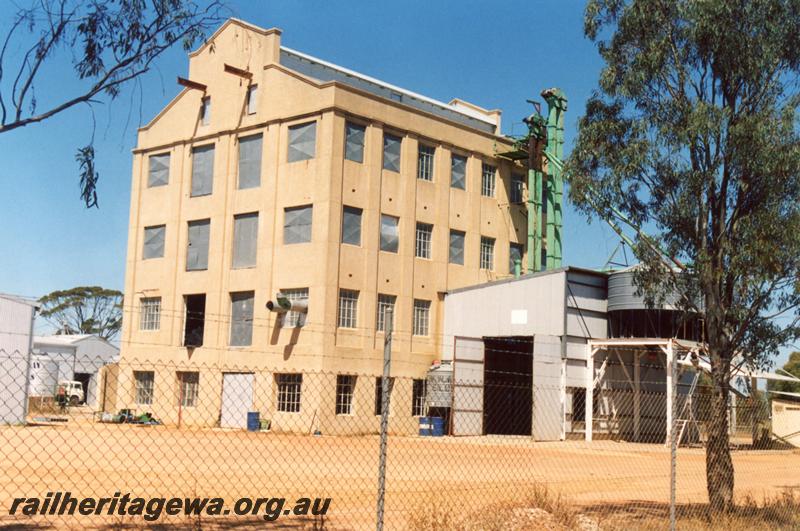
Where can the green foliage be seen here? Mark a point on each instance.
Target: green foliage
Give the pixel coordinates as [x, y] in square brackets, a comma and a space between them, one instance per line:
[793, 367]
[84, 310]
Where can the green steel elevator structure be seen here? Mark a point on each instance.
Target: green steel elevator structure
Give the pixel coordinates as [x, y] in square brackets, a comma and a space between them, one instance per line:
[544, 141]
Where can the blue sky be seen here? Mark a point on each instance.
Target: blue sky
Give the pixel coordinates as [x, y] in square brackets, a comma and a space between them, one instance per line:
[494, 54]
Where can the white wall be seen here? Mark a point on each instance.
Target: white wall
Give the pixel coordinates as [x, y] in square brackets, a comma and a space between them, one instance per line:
[16, 318]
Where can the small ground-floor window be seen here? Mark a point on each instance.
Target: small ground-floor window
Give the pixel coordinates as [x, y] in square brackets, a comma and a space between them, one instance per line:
[289, 392]
[345, 386]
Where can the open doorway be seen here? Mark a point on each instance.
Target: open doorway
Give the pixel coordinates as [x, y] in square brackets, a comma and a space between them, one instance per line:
[508, 386]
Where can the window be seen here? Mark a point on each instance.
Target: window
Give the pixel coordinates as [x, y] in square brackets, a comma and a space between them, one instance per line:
[144, 382]
[422, 313]
[297, 224]
[154, 241]
[205, 111]
[348, 308]
[418, 394]
[345, 386]
[202, 170]
[250, 161]
[379, 394]
[515, 252]
[385, 302]
[425, 163]
[188, 387]
[242, 318]
[488, 173]
[195, 320]
[517, 187]
[295, 319]
[245, 240]
[391, 152]
[390, 235]
[487, 253]
[197, 249]
[423, 242]
[150, 313]
[289, 392]
[457, 247]
[302, 142]
[351, 225]
[354, 142]
[159, 170]
[252, 99]
[458, 172]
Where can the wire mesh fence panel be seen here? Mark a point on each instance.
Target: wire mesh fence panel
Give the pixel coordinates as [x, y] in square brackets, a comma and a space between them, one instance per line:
[504, 444]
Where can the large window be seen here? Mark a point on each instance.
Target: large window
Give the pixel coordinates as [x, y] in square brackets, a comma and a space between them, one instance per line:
[487, 253]
[150, 313]
[144, 384]
[351, 225]
[295, 319]
[154, 241]
[423, 241]
[517, 187]
[422, 315]
[290, 387]
[302, 142]
[390, 233]
[391, 152]
[202, 170]
[354, 142]
[457, 247]
[242, 318]
[250, 148]
[488, 173]
[297, 224]
[159, 170]
[245, 240]
[197, 248]
[188, 388]
[418, 394]
[425, 163]
[348, 308]
[515, 253]
[252, 99]
[458, 172]
[385, 302]
[345, 388]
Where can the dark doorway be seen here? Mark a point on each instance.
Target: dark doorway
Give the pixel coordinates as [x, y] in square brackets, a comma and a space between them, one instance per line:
[195, 320]
[83, 378]
[507, 393]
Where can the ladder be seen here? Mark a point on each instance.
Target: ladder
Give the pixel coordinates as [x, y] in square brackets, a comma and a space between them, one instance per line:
[684, 419]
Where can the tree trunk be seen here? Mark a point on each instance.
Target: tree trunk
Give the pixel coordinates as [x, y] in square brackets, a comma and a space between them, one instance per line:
[719, 466]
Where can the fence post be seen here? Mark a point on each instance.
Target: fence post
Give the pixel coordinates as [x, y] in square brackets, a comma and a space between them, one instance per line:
[387, 360]
[673, 450]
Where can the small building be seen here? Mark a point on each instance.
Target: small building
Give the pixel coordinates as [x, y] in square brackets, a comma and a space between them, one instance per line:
[17, 315]
[69, 357]
[786, 420]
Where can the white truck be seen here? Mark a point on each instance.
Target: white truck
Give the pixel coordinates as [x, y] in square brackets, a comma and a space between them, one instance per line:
[72, 389]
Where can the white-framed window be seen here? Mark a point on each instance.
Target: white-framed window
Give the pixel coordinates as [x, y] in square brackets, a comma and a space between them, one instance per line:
[517, 187]
[418, 395]
[384, 302]
[345, 388]
[390, 233]
[487, 253]
[150, 313]
[425, 162]
[290, 387]
[188, 388]
[154, 238]
[348, 308]
[457, 247]
[422, 314]
[488, 173]
[144, 384]
[252, 99]
[295, 319]
[423, 241]
[205, 110]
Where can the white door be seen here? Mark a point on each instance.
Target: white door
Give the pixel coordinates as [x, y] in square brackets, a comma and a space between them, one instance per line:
[237, 399]
[468, 387]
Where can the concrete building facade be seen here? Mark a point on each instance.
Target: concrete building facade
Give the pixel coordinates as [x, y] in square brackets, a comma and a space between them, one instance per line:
[273, 171]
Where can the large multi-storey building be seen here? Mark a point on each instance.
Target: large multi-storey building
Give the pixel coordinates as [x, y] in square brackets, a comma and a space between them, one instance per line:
[273, 171]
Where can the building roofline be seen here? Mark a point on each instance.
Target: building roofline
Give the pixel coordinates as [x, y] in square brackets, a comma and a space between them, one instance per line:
[565, 269]
[20, 299]
[238, 22]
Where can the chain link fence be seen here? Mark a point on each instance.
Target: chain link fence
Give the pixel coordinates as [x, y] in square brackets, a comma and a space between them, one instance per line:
[457, 456]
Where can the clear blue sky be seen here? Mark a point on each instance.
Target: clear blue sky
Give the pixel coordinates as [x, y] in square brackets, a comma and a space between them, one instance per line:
[494, 54]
